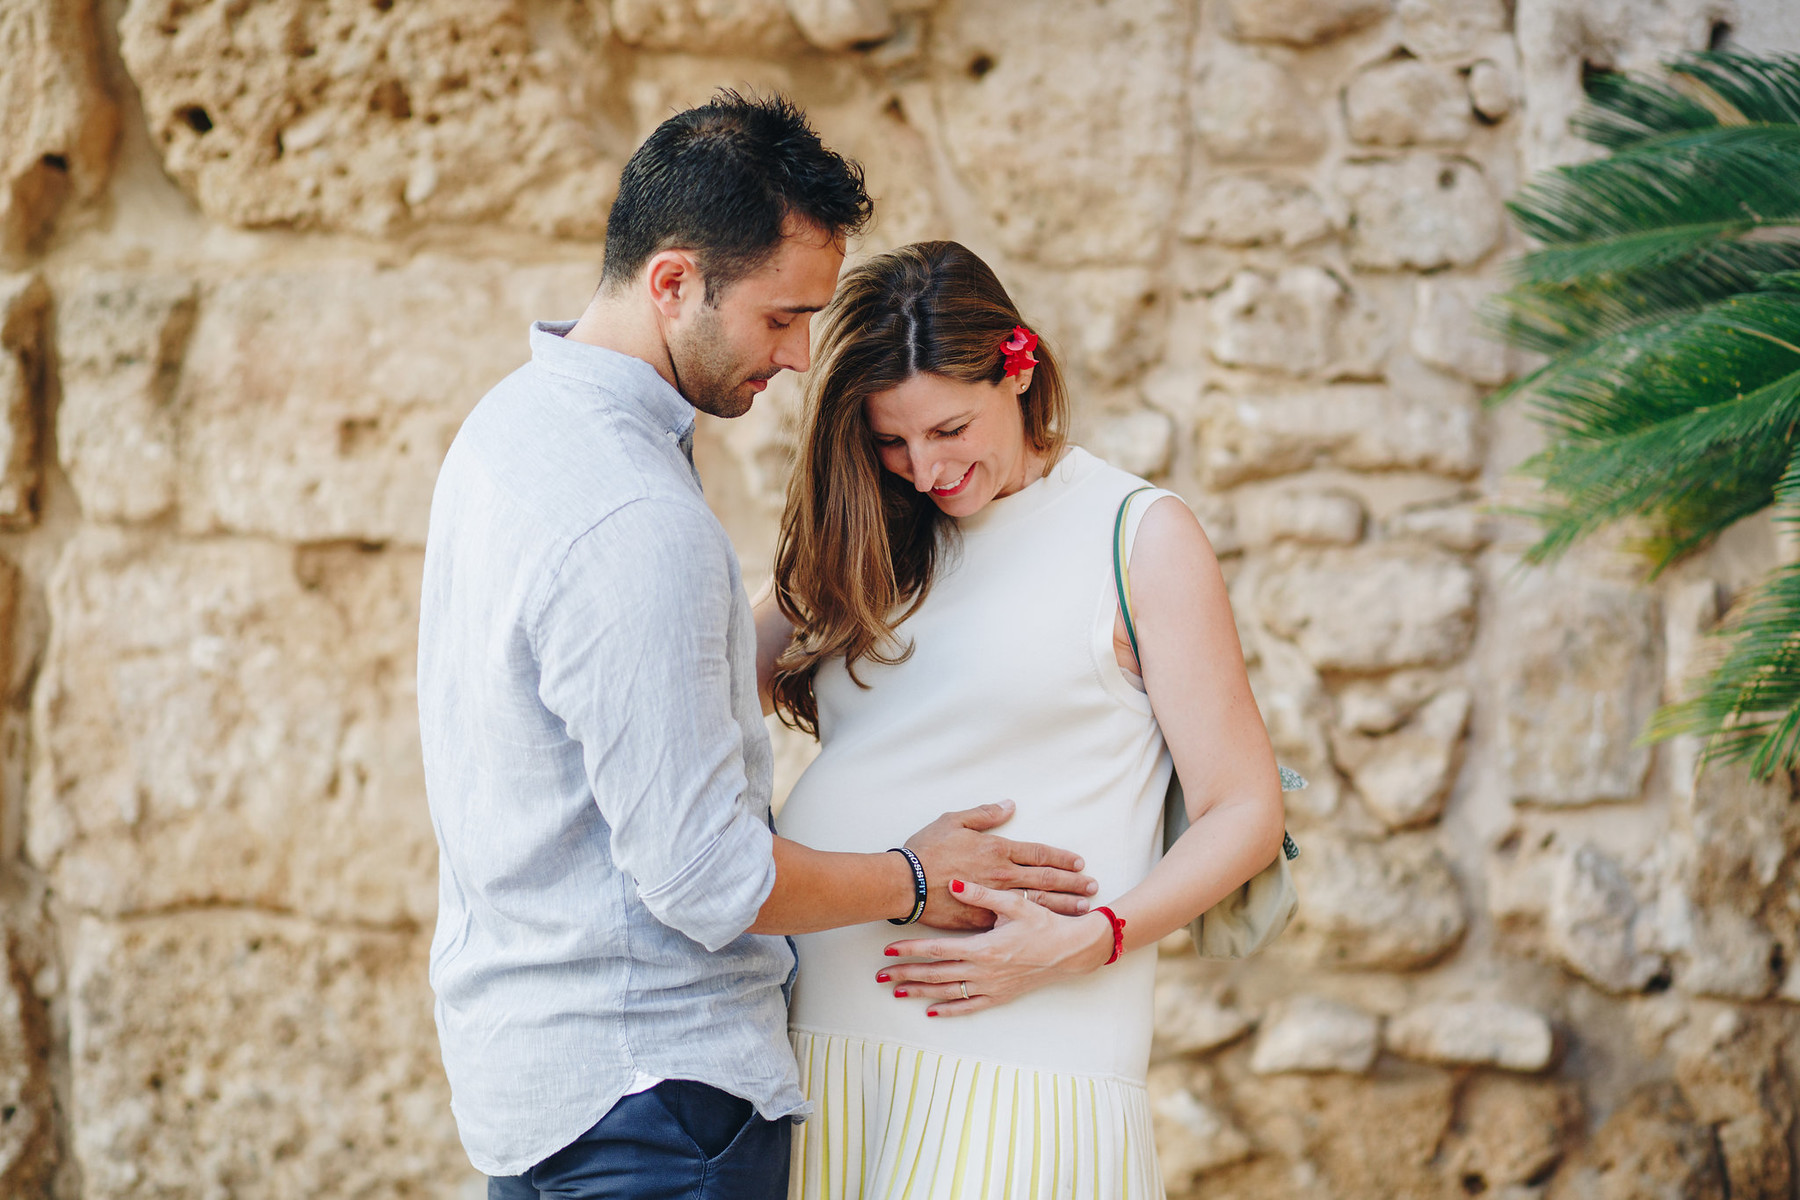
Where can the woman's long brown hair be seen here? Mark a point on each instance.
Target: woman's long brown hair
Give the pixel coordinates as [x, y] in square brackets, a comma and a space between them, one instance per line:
[858, 545]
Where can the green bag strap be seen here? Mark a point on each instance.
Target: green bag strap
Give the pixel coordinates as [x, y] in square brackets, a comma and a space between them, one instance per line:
[1291, 781]
[1122, 569]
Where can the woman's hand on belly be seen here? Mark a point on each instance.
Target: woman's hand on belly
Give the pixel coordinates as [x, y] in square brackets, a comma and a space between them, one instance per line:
[1028, 947]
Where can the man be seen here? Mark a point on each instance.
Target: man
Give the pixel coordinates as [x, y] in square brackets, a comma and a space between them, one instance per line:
[610, 992]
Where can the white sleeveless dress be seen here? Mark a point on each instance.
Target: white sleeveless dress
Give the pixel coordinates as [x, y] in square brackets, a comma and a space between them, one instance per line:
[1012, 691]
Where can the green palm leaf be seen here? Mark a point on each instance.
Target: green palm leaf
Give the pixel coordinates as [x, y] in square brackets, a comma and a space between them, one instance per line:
[1665, 291]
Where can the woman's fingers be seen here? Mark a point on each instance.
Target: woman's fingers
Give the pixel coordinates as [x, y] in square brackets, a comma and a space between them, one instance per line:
[1002, 901]
[903, 974]
[960, 1007]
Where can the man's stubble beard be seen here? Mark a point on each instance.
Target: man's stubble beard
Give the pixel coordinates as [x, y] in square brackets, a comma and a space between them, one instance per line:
[706, 372]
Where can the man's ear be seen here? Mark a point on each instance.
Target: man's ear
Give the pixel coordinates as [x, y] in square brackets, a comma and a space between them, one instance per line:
[673, 278]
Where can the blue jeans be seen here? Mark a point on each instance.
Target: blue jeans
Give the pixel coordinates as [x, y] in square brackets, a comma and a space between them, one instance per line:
[680, 1140]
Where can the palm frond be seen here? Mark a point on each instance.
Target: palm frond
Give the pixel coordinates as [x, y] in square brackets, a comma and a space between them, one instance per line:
[1727, 173]
[1651, 372]
[1624, 110]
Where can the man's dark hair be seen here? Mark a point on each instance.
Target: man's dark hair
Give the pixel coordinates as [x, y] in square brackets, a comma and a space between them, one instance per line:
[720, 180]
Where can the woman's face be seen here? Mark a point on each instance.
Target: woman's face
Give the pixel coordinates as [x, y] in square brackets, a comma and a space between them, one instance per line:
[962, 444]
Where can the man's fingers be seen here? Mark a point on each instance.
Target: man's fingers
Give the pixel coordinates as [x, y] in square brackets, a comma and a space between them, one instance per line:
[985, 816]
[1036, 854]
[1049, 879]
[1061, 903]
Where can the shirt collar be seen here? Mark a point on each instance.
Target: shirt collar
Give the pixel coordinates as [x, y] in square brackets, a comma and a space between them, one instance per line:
[619, 375]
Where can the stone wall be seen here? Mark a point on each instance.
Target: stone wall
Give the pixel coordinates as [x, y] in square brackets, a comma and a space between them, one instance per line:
[260, 256]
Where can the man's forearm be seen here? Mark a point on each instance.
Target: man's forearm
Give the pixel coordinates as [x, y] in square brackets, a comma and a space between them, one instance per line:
[816, 889]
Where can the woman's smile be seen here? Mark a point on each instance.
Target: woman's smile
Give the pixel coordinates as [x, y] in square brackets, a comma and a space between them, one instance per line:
[961, 483]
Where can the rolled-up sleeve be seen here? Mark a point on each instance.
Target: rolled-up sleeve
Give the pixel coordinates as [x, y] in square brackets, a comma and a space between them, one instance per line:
[633, 646]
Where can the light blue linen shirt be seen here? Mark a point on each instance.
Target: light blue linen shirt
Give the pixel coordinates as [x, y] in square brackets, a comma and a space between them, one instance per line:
[596, 762]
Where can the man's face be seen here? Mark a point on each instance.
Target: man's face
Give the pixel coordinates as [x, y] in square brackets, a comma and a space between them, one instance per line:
[726, 352]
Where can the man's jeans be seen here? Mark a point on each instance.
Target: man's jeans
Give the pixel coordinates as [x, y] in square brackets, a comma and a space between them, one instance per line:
[680, 1140]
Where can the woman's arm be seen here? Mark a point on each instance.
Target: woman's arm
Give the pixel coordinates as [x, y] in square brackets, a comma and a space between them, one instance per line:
[773, 633]
[1193, 670]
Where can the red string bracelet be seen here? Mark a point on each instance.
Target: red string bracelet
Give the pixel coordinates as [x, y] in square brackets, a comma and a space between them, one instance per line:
[1118, 929]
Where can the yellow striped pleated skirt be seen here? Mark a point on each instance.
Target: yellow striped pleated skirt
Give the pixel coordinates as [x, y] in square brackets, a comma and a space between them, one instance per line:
[894, 1122]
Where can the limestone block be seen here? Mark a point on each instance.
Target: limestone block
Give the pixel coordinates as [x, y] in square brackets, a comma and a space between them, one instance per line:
[842, 24]
[24, 304]
[1377, 706]
[1105, 322]
[1578, 678]
[1301, 22]
[1138, 442]
[1459, 528]
[1448, 28]
[222, 1053]
[1269, 515]
[57, 124]
[1360, 426]
[317, 403]
[1192, 1137]
[1067, 125]
[1423, 211]
[1723, 953]
[1484, 1033]
[1364, 905]
[1739, 831]
[28, 1137]
[231, 722]
[1249, 109]
[1559, 41]
[1294, 707]
[1373, 608]
[1649, 1147]
[706, 27]
[1730, 1070]
[370, 117]
[1593, 924]
[1404, 777]
[1446, 330]
[1244, 210]
[119, 341]
[1405, 102]
[1491, 90]
[1359, 1137]
[1302, 321]
[1190, 1022]
[1310, 1033]
[1509, 1131]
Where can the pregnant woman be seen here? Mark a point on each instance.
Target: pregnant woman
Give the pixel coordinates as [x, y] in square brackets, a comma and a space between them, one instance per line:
[944, 619]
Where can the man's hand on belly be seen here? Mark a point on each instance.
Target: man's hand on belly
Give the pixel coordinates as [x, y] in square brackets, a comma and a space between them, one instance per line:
[958, 846]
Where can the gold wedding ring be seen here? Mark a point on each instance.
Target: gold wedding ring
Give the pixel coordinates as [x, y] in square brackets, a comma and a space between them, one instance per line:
[964, 985]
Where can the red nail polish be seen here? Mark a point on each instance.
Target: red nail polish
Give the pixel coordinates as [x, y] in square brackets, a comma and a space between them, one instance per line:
[931, 1012]
[883, 977]
[956, 885]
[891, 952]
[899, 991]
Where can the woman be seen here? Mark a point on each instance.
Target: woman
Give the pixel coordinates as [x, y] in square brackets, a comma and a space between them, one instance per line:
[944, 619]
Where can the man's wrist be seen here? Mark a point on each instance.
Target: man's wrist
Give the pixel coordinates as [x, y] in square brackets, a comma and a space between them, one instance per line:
[913, 885]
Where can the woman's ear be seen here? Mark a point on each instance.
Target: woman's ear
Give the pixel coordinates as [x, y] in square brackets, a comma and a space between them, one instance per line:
[1022, 381]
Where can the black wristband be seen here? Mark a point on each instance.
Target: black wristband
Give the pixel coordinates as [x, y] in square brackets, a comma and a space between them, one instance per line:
[918, 870]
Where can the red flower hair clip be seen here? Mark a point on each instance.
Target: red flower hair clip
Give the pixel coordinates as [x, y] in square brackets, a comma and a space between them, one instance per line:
[1017, 348]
